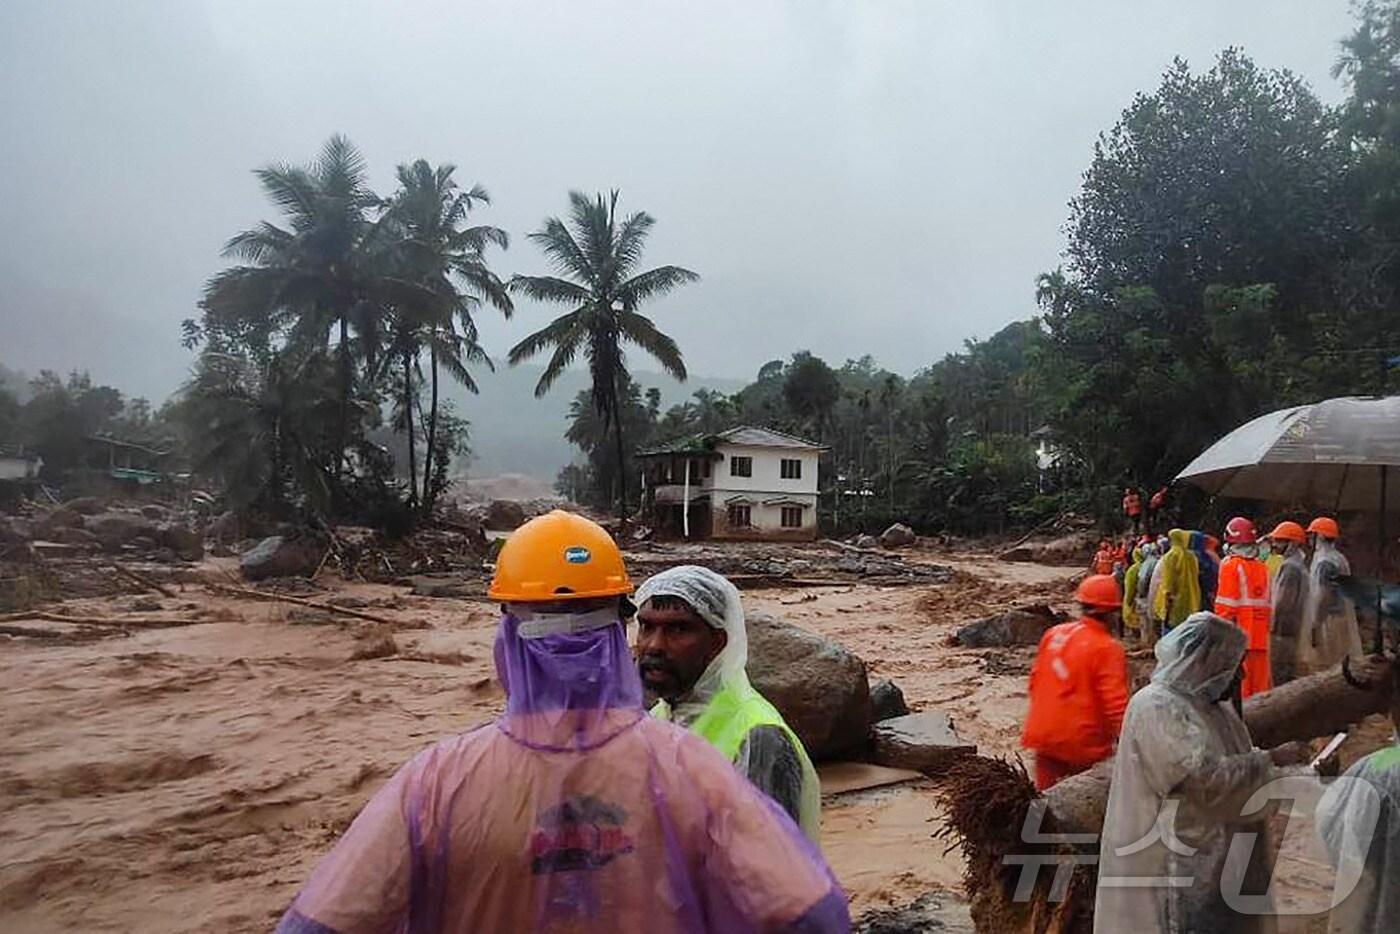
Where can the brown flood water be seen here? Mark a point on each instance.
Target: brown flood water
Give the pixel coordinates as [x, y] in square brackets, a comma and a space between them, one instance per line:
[189, 778]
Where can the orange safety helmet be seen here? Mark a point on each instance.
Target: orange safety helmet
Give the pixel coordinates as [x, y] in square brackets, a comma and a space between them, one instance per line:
[1099, 591]
[1240, 531]
[558, 557]
[1288, 531]
[1325, 526]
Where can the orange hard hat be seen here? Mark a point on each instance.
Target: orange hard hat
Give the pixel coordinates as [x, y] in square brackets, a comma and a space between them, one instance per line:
[1240, 531]
[1288, 531]
[559, 556]
[1325, 526]
[1099, 590]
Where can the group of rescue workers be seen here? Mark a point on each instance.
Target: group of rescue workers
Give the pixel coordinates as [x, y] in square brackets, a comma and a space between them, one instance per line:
[578, 810]
[1224, 627]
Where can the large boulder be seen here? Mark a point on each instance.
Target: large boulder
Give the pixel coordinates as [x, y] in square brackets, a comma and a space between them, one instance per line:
[60, 517]
[186, 543]
[1021, 626]
[898, 535]
[115, 529]
[86, 505]
[820, 688]
[504, 515]
[280, 556]
[1073, 550]
[866, 541]
[156, 512]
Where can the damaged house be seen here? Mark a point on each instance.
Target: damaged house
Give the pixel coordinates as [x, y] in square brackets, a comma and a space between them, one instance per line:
[744, 483]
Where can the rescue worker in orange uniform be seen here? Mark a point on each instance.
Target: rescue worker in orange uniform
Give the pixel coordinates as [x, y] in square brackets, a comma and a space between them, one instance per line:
[1078, 687]
[1132, 508]
[1103, 558]
[1243, 597]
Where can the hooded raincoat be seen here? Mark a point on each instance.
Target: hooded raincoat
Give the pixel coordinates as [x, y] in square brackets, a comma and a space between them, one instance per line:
[1184, 770]
[1150, 556]
[1288, 590]
[572, 812]
[1330, 631]
[1208, 566]
[1131, 617]
[727, 710]
[1358, 820]
[1176, 592]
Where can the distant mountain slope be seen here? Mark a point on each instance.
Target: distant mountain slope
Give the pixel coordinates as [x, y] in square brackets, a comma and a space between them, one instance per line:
[513, 432]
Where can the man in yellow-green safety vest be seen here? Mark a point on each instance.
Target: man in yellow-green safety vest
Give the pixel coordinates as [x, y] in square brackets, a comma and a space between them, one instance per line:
[692, 650]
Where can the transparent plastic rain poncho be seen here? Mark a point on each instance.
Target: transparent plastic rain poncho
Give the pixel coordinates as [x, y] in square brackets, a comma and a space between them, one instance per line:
[1288, 591]
[1330, 631]
[1359, 823]
[1182, 749]
[572, 812]
[1176, 585]
[771, 757]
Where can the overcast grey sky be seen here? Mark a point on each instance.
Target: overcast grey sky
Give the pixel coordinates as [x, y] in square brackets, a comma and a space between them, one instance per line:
[848, 177]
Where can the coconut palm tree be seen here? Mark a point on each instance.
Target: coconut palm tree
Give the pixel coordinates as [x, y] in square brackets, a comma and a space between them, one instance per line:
[596, 255]
[439, 252]
[321, 271]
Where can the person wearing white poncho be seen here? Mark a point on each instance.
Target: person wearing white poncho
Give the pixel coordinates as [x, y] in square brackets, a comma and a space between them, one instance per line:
[1184, 771]
[692, 650]
[1358, 820]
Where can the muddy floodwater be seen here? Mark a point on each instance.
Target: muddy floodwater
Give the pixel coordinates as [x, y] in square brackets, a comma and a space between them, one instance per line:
[189, 777]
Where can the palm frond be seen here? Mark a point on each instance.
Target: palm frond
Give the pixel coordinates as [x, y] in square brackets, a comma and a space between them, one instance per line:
[631, 242]
[563, 250]
[293, 190]
[562, 330]
[550, 289]
[653, 283]
[564, 353]
[642, 331]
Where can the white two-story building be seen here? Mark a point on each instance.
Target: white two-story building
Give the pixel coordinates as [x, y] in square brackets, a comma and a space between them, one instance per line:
[741, 483]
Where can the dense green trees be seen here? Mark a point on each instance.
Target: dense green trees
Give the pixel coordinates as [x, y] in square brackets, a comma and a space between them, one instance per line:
[324, 325]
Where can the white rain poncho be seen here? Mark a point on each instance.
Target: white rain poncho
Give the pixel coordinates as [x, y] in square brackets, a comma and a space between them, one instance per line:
[1330, 631]
[1359, 823]
[724, 707]
[1184, 770]
[1289, 595]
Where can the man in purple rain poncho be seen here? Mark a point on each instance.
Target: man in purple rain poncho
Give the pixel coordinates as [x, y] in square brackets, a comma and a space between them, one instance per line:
[574, 811]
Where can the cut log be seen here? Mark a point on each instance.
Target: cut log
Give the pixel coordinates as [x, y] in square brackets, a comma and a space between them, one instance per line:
[313, 604]
[987, 801]
[1317, 705]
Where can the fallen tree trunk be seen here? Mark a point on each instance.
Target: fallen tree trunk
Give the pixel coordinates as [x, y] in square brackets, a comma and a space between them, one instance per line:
[1317, 705]
[987, 801]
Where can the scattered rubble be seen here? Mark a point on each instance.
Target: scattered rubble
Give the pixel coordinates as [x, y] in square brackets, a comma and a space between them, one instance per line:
[820, 688]
[866, 541]
[925, 915]
[755, 564]
[924, 742]
[1021, 626]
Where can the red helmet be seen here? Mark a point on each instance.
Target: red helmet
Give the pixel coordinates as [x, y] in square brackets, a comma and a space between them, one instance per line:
[1099, 591]
[1240, 531]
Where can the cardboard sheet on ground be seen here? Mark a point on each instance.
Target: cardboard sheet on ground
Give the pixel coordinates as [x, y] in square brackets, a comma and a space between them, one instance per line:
[842, 777]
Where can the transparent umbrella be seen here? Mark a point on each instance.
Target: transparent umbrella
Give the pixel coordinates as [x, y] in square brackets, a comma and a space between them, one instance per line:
[1336, 455]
